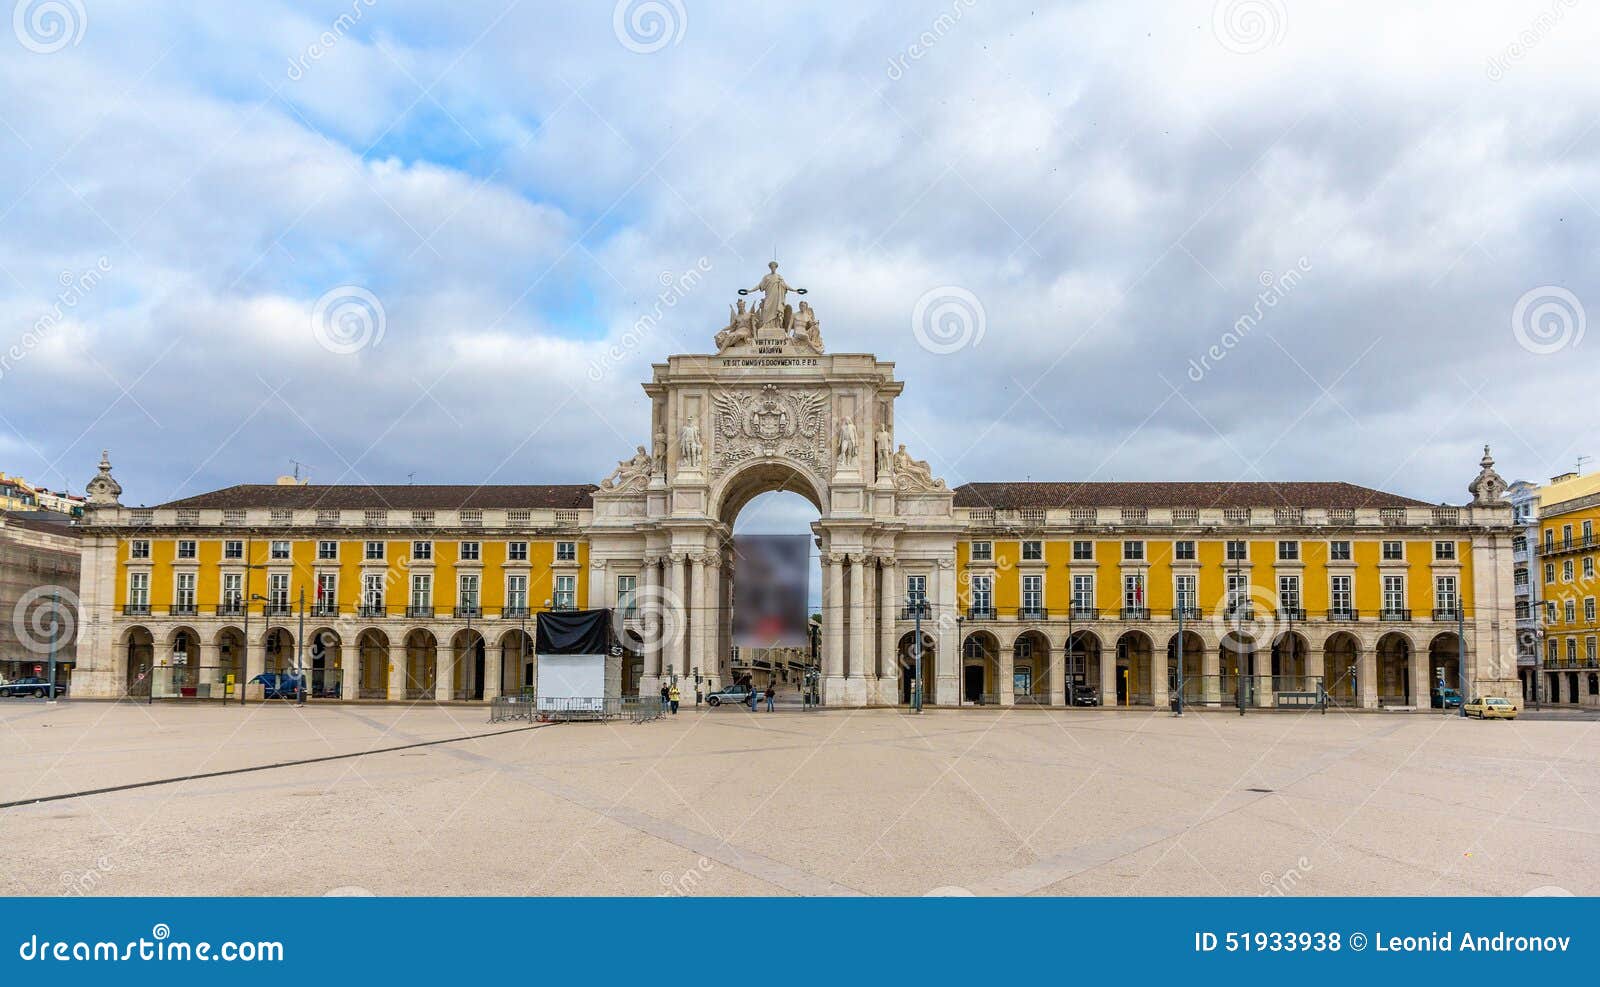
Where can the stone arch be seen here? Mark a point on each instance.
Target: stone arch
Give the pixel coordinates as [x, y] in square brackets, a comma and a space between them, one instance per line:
[906, 661]
[468, 660]
[325, 668]
[278, 648]
[1135, 666]
[1341, 667]
[980, 654]
[177, 666]
[422, 663]
[231, 658]
[137, 647]
[1187, 665]
[1291, 653]
[731, 492]
[1395, 650]
[518, 666]
[371, 665]
[1081, 661]
[1030, 654]
[1444, 652]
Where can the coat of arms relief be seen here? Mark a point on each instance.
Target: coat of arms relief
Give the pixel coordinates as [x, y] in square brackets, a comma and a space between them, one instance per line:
[769, 421]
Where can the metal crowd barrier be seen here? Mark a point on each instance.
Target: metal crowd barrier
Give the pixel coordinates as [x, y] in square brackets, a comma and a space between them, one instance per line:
[634, 709]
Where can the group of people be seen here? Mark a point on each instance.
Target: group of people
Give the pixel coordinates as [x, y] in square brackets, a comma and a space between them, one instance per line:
[670, 697]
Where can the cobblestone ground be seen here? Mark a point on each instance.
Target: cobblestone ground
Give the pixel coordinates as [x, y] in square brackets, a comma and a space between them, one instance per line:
[725, 802]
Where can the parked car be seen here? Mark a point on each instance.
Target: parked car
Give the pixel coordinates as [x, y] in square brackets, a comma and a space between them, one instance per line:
[1446, 698]
[30, 685]
[279, 685]
[729, 694]
[1492, 708]
[1085, 695]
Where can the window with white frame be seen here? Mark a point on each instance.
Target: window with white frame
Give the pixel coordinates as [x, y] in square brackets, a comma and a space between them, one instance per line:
[566, 551]
[517, 592]
[421, 551]
[1444, 551]
[327, 551]
[278, 592]
[374, 551]
[1338, 551]
[139, 548]
[1588, 609]
[1550, 611]
[1394, 593]
[471, 551]
[627, 594]
[372, 592]
[1566, 536]
[233, 590]
[1238, 551]
[1566, 570]
[187, 549]
[421, 590]
[279, 551]
[566, 597]
[916, 590]
[1133, 551]
[1184, 591]
[1238, 590]
[517, 551]
[328, 592]
[1083, 551]
[1133, 589]
[1589, 651]
[1289, 592]
[1444, 593]
[1083, 592]
[1394, 551]
[1570, 609]
[1032, 551]
[1572, 650]
[982, 551]
[1549, 572]
[1588, 567]
[1033, 594]
[1552, 648]
[467, 591]
[982, 592]
[1340, 597]
[1288, 551]
[232, 550]
[183, 593]
[1183, 551]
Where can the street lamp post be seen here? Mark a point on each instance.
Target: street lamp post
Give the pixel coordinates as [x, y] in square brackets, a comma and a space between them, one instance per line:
[55, 610]
[961, 660]
[916, 653]
[300, 654]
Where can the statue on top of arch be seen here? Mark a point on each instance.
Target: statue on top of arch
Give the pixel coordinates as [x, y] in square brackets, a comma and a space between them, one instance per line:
[772, 319]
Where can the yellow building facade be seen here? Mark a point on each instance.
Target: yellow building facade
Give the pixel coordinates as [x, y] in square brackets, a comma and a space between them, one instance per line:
[1567, 558]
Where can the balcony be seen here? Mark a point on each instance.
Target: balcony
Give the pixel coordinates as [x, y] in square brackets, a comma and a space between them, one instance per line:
[325, 610]
[136, 610]
[1451, 614]
[1238, 611]
[470, 611]
[563, 605]
[183, 610]
[980, 613]
[1187, 613]
[1394, 614]
[277, 608]
[1578, 544]
[373, 610]
[1033, 613]
[912, 611]
[1344, 613]
[1292, 613]
[514, 613]
[234, 608]
[1135, 613]
[1084, 613]
[420, 611]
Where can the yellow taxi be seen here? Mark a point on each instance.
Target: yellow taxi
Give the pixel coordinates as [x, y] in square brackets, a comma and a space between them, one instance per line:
[1492, 708]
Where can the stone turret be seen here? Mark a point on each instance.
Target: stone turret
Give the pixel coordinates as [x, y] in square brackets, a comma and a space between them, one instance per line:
[1488, 488]
[104, 489]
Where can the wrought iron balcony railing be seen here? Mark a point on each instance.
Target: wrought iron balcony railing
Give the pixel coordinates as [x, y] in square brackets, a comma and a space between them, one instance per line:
[1085, 613]
[1187, 613]
[1344, 613]
[514, 613]
[470, 610]
[1394, 614]
[1135, 613]
[980, 613]
[424, 612]
[911, 611]
[1445, 613]
[374, 609]
[1033, 613]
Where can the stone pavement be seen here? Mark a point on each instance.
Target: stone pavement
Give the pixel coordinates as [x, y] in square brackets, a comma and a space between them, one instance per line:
[832, 802]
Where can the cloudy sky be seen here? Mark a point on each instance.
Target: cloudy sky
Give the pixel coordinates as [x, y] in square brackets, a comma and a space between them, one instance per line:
[398, 240]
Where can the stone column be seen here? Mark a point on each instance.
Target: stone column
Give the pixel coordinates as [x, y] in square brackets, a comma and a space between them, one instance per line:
[1312, 669]
[444, 682]
[699, 619]
[832, 625]
[493, 669]
[708, 611]
[650, 616]
[858, 668]
[1005, 672]
[397, 670]
[1421, 678]
[1108, 675]
[947, 635]
[888, 663]
[1261, 667]
[206, 672]
[1160, 671]
[1367, 677]
[1058, 676]
[1211, 675]
[673, 661]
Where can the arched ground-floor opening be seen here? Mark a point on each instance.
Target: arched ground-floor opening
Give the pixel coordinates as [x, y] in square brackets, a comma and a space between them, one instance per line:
[1081, 661]
[1395, 687]
[177, 672]
[1030, 668]
[1237, 658]
[468, 660]
[1135, 686]
[278, 645]
[906, 660]
[140, 654]
[325, 656]
[372, 678]
[231, 664]
[517, 665]
[1187, 667]
[979, 668]
[1341, 668]
[422, 664]
[1444, 663]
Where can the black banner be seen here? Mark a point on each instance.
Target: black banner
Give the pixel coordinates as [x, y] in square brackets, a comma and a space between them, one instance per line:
[574, 632]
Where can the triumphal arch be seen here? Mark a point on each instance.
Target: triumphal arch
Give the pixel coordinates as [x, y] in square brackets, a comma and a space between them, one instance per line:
[772, 409]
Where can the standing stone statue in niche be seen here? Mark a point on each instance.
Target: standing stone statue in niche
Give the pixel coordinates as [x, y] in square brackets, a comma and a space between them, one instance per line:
[689, 444]
[885, 450]
[849, 450]
[659, 452]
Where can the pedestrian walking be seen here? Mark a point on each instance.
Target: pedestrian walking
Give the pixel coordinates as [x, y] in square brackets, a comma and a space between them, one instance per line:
[753, 695]
[664, 696]
[772, 694]
[672, 697]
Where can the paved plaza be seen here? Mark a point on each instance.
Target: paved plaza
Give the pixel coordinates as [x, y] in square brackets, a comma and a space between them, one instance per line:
[728, 802]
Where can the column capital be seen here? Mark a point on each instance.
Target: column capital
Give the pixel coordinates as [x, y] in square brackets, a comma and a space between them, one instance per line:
[858, 558]
[886, 560]
[834, 558]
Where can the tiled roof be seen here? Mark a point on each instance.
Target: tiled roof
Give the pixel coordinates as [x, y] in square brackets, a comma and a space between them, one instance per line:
[1011, 496]
[572, 496]
[51, 522]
